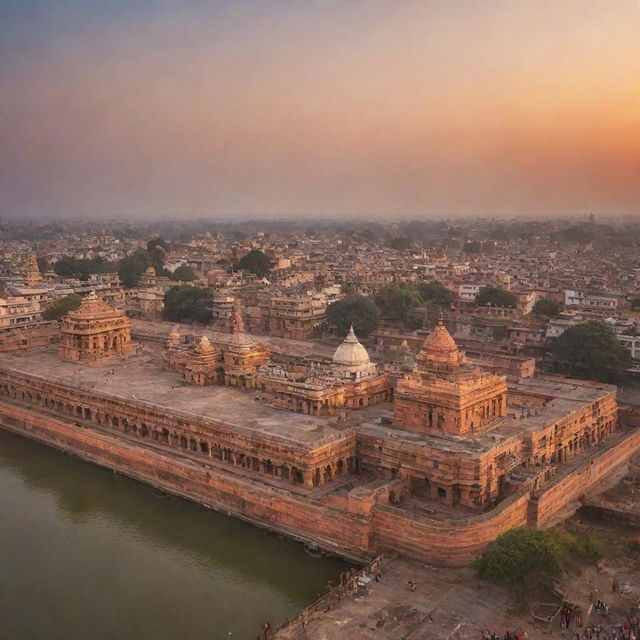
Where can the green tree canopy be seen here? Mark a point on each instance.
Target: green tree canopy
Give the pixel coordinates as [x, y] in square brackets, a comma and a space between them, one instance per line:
[401, 243]
[436, 293]
[590, 351]
[81, 268]
[359, 311]
[157, 251]
[496, 297]
[131, 267]
[43, 264]
[472, 246]
[395, 301]
[520, 554]
[255, 262]
[188, 303]
[547, 307]
[184, 274]
[61, 307]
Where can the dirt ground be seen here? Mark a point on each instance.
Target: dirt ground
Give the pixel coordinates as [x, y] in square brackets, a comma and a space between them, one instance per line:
[454, 604]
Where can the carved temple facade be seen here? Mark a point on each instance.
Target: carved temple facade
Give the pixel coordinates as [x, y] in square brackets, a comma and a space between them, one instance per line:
[95, 331]
[435, 471]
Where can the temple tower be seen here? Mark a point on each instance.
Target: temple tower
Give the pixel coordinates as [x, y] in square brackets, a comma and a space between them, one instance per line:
[95, 331]
[33, 276]
[446, 396]
[243, 356]
[174, 338]
[202, 363]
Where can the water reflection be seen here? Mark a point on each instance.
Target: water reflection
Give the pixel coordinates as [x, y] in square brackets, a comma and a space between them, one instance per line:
[88, 553]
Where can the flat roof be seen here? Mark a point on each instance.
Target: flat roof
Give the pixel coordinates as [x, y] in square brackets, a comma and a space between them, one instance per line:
[142, 378]
[566, 397]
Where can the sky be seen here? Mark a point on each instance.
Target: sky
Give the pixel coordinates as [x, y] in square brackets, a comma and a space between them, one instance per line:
[426, 108]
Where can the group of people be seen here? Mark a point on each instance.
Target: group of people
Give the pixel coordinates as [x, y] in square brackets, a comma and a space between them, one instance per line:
[509, 634]
[627, 630]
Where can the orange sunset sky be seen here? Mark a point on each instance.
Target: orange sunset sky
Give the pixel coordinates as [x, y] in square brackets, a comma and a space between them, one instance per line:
[303, 107]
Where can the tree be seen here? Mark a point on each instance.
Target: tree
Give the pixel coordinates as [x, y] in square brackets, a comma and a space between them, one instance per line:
[184, 274]
[395, 301]
[157, 251]
[401, 243]
[255, 262]
[590, 351]
[43, 264]
[82, 268]
[359, 311]
[61, 307]
[131, 267]
[436, 293]
[472, 246]
[496, 297]
[521, 557]
[188, 303]
[547, 307]
[518, 555]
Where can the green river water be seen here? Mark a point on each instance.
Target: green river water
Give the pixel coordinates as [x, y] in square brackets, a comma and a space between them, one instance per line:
[86, 553]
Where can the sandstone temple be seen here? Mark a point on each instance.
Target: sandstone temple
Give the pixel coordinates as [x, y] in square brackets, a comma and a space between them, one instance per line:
[431, 460]
[95, 331]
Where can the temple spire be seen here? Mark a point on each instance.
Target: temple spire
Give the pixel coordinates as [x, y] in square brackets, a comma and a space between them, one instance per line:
[33, 276]
[237, 325]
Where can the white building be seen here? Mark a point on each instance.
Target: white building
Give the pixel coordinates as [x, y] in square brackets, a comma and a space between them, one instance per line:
[632, 344]
[590, 300]
[469, 291]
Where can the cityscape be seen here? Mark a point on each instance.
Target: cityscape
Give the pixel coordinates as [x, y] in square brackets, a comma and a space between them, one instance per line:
[316, 322]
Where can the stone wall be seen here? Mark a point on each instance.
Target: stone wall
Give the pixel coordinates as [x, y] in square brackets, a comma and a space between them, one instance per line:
[266, 454]
[445, 542]
[455, 542]
[299, 517]
[21, 338]
[555, 497]
[355, 527]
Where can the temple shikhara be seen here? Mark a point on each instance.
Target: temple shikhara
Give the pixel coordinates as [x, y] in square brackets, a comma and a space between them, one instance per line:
[95, 331]
[432, 457]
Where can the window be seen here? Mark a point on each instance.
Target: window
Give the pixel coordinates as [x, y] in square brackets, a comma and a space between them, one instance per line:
[442, 493]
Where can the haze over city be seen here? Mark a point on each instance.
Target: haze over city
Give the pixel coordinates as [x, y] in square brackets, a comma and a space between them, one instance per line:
[438, 108]
[320, 319]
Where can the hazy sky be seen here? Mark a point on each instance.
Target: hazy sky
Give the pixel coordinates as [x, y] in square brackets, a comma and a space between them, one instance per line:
[426, 107]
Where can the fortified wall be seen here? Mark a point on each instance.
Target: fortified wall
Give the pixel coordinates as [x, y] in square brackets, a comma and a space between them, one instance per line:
[463, 456]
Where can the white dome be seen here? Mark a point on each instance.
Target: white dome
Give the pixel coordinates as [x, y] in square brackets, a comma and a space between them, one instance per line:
[351, 353]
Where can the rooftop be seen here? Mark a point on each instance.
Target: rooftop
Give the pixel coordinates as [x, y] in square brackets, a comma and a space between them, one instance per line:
[142, 378]
[566, 396]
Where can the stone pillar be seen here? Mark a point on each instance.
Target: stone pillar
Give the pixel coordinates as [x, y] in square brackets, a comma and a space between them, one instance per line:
[308, 479]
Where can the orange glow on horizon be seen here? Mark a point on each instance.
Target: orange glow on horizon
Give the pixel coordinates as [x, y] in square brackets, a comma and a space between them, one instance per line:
[417, 108]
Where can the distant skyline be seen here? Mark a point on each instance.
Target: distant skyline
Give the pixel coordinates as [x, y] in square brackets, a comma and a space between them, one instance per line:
[301, 107]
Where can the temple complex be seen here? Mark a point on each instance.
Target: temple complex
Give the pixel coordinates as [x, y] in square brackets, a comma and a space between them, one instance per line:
[432, 462]
[95, 331]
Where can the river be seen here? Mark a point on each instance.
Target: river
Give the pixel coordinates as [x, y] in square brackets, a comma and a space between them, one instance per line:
[86, 553]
